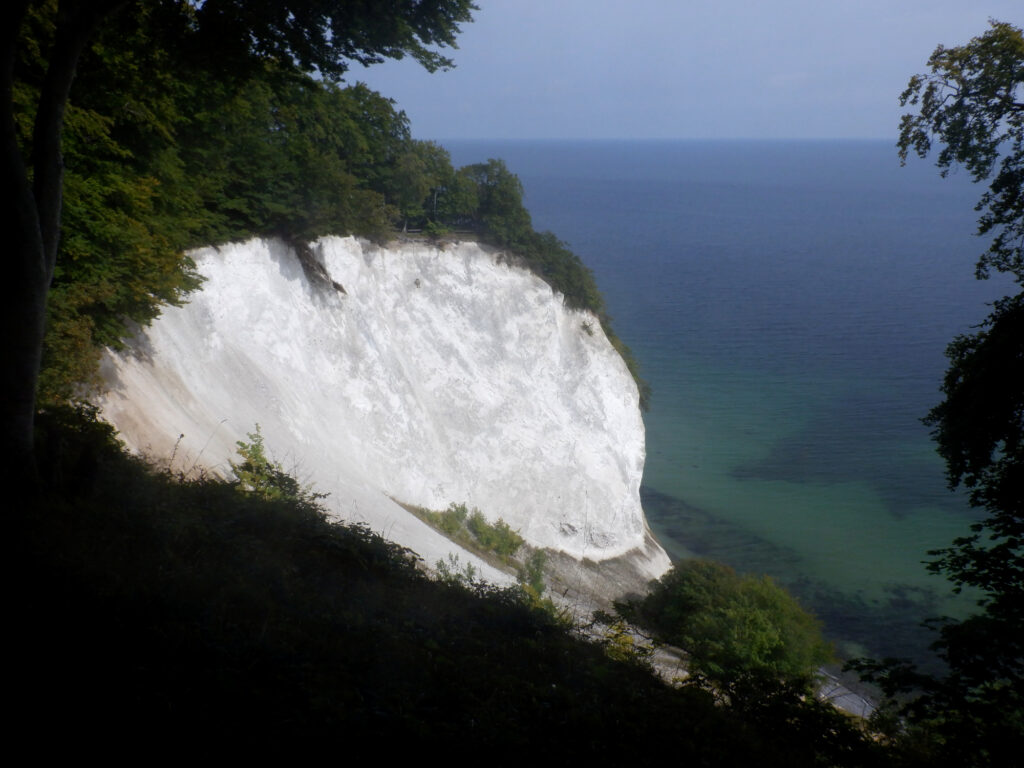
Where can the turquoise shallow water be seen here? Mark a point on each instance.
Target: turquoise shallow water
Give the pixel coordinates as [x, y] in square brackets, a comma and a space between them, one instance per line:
[790, 303]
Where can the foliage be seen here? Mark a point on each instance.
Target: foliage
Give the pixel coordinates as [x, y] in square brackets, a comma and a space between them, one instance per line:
[453, 519]
[472, 530]
[43, 44]
[326, 36]
[160, 158]
[498, 213]
[263, 477]
[531, 572]
[969, 715]
[979, 429]
[204, 159]
[530, 576]
[974, 713]
[120, 255]
[499, 202]
[972, 103]
[204, 618]
[742, 634]
[497, 537]
[621, 643]
[451, 571]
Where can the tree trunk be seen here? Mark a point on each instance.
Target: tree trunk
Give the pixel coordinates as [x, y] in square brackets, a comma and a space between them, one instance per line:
[32, 221]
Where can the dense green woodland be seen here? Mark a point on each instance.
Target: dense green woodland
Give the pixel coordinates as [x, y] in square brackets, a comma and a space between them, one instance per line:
[153, 611]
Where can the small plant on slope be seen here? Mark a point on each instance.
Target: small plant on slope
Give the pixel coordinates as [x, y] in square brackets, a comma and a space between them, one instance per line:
[451, 571]
[266, 478]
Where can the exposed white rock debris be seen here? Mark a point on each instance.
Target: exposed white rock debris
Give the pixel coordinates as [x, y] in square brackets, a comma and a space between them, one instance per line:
[426, 374]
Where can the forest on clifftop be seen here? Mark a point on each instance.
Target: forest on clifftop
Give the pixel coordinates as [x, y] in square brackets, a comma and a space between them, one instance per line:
[164, 152]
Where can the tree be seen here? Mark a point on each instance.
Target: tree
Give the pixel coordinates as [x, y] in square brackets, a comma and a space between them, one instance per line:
[266, 478]
[161, 158]
[410, 185]
[973, 104]
[120, 251]
[307, 35]
[422, 174]
[500, 209]
[743, 635]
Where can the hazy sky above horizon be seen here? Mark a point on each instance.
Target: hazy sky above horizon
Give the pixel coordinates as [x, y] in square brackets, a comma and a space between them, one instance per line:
[681, 68]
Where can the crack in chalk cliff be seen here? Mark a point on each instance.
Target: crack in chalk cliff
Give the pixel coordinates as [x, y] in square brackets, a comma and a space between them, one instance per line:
[316, 273]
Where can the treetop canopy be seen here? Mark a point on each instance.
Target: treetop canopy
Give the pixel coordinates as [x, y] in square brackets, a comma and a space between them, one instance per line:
[972, 104]
[325, 35]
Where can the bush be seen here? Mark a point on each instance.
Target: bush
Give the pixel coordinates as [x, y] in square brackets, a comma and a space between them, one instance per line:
[531, 573]
[451, 571]
[743, 634]
[621, 644]
[497, 537]
[266, 478]
[452, 520]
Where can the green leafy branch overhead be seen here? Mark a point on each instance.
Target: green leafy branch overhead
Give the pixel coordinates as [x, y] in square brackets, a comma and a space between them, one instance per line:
[972, 104]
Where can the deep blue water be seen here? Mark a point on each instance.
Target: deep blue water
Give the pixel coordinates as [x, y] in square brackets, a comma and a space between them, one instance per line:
[789, 302]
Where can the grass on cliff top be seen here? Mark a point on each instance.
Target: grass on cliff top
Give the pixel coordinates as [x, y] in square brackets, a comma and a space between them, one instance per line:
[154, 613]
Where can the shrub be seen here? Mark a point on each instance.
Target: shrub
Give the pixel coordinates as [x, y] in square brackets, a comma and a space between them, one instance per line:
[266, 478]
[621, 644]
[451, 571]
[742, 633]
[531, 573]
[452, 520]
[433, 229]
[497, 537]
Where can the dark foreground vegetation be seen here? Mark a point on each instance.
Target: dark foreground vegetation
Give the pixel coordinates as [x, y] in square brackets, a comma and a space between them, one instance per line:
[159, 613]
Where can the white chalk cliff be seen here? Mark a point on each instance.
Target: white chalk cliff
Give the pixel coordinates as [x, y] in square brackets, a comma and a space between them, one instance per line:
[418, 373]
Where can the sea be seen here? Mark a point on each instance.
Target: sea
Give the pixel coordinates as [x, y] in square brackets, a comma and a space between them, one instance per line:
[789, 303]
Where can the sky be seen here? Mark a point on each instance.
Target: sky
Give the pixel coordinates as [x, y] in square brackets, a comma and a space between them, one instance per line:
[662, 69]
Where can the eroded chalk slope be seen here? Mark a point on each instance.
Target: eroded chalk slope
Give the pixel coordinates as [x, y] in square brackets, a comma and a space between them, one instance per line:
[414, 372]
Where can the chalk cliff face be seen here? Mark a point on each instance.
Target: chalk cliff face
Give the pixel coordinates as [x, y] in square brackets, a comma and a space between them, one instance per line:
[422, 374]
